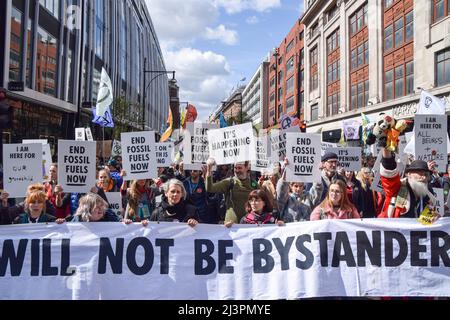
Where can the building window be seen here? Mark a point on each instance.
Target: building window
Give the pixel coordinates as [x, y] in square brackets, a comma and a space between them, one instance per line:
[332, 12]
[280, 77]
[333, 73]
[388, 85]
[272, 82]
[272, 97]
[301, 35]
[443, 67]
[398, 36]
[388, 38]
[333, 102]
[358, 20]
[15, 51]
[290, 46]
[280, 111]
[315, 29]
[290, 65]
[333, 41]
[410, 77]
[359, 94]
[409, 26]
[388, 3]
[314, 70]
[441, 9]
[290, 105]
[302, 57]
[290, 85]
[47, 49]
[280, 94]
[302, 79]
[52, 6]
[360, 55]
[314, 112]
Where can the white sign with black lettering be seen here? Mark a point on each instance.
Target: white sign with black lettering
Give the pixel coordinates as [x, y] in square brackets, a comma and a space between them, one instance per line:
[164, 154]
[138, 155]
[22, 166]
[439, 194]
[232, 144]
[430, 139]
[116, 148]
[76, 165]
[115, 201]
[79, 134]
[89, 136]
[303, 154]
[263, 162]
[349, 159]
[376, 183]
[195, 142]
[326, 146]
[46, 157]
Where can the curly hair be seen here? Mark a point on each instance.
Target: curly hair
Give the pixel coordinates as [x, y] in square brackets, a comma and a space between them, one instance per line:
[87, 204]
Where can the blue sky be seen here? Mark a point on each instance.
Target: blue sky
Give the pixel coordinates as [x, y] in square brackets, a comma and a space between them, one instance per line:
[213, 44]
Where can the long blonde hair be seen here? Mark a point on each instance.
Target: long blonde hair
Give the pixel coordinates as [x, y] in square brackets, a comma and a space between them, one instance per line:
[344, 203]
[87, 204]
[134, 195]
[361, 177]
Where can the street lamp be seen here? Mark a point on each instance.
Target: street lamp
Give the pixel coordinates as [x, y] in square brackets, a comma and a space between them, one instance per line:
[158, 73]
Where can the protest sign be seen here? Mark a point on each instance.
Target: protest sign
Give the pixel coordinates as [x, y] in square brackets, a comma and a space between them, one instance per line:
[164, 154]
[195, 142]
[303, 154]
[79, 134]
[430, 139]
[326, 146]
[263, 162]
[138, 155]
[115, 201]
[76, 165]
[349, 158]
[439, 194]
[376, 183]
[89, 136]
[116, 148]
[232, 144]
[22, 166]
[46, 156]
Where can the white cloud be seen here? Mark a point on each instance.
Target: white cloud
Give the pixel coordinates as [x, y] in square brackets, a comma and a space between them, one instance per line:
[229, 37]
[201, 77]
[252, 20]
[180, 22]
[235, 6]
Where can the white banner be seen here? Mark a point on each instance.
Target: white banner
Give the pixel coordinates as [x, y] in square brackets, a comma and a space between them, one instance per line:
[303, 153]
[173, 261]
[76, 165]
[22, 166]
[195, 142]
[349, 159]
[232, 144]
[138, 155]
[430, 143]
[164, 153]
[89, 136]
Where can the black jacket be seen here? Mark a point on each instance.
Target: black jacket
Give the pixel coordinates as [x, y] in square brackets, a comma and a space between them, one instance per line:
[180, 212]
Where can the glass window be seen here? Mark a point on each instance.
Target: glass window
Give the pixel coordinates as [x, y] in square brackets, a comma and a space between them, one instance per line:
[409, 32]
[354, 103]
[443, 67]
[439, 9]
[290, 46]
[52, 6]
[15, 50]
[388, 3]
[47, 49]
[290, 105]
[399, 89]
[290, 64]
[29, 48]
[290, 85]
[388, 38]
[280, 76]
[410, 77]
[314, 112]
[388, 84]
[354, 59]
[398, 38]
[302, 79]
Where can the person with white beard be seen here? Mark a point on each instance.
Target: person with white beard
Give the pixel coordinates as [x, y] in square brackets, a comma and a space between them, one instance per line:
[407, 197]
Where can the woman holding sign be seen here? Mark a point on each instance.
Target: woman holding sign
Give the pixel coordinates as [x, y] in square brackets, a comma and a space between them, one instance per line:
[336, 204]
